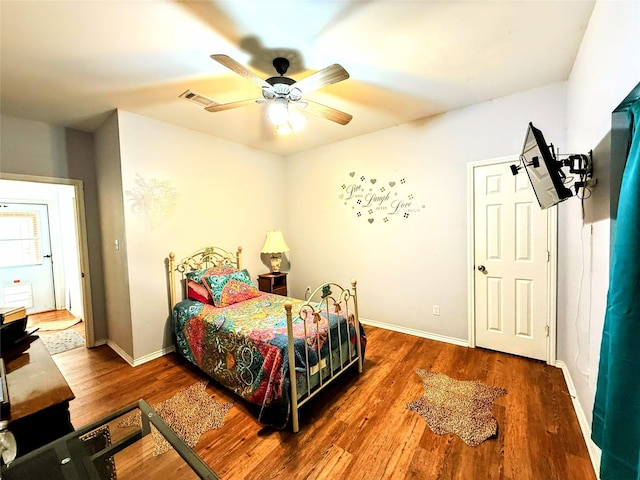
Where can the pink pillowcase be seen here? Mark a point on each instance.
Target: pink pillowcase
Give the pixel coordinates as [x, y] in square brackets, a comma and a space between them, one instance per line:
[197, 291]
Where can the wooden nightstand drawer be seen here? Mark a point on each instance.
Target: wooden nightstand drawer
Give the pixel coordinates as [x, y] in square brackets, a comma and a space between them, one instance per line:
[273, 283]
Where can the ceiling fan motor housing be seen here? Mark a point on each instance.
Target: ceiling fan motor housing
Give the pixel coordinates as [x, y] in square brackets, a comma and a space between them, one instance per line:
[283, 80]
[282, 90]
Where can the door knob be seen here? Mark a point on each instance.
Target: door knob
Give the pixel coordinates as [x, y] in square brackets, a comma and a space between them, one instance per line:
[482, 269]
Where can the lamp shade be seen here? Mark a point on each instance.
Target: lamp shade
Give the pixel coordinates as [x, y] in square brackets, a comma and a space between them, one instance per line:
[274, 243]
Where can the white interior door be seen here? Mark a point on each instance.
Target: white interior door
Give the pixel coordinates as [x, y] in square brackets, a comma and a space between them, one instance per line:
[26, 273]
[511, 252]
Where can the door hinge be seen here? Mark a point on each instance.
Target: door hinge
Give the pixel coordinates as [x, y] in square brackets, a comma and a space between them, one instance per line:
[548, 256]
[546, 330]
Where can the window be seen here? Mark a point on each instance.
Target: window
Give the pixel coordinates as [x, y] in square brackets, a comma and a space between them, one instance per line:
[19, 239]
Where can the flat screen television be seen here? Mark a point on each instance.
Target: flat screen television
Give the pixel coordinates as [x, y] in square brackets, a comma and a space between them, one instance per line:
[544, 171]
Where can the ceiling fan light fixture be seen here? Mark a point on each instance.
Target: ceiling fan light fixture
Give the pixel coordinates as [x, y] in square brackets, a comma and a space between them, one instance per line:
[297, 120]
[295, 94]
[294, 123]
[284, 129]
[278, 111]
[268, 93]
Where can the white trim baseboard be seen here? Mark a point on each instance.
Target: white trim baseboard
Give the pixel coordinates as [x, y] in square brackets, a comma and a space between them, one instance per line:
[154, 355]
[139, 361]
[116, 348]
[417, 333]
[594, 451]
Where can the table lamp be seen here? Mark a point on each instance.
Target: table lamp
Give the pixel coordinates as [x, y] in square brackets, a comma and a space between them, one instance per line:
[275, 246]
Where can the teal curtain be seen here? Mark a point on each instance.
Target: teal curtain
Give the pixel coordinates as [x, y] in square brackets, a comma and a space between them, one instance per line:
[616, 411]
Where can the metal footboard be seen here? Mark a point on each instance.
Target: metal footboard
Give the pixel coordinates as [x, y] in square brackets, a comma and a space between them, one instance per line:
[329, 299]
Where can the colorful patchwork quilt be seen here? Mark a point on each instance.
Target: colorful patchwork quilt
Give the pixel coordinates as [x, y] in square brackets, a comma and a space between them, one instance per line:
[243, 346]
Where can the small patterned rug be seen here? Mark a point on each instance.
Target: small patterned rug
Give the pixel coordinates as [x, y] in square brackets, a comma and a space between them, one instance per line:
[58, 342]
[460, 407]
[189, 413]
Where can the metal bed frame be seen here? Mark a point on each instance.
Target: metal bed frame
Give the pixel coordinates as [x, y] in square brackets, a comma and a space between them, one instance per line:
[327, 298]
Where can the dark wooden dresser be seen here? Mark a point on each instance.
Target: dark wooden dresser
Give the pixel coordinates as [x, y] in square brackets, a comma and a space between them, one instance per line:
[39, 395]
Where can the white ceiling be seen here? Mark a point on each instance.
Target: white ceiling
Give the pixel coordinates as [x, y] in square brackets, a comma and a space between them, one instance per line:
[71, 63]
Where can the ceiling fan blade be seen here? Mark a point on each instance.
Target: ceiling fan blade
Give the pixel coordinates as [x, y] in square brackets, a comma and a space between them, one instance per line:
[241, 70]
[327, 76]
[329, 113]
[219, 107]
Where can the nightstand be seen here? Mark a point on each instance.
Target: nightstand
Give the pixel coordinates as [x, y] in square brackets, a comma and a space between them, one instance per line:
[273, 283]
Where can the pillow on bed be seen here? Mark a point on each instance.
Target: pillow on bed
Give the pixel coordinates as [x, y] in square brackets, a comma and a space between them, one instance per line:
[196, 275]
[215, 285]
[197, 291]
[235, 291]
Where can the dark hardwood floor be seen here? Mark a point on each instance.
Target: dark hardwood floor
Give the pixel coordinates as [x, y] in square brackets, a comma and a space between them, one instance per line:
[360, 427]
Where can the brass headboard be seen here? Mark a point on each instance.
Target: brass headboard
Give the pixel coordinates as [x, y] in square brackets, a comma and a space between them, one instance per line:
[205, 258]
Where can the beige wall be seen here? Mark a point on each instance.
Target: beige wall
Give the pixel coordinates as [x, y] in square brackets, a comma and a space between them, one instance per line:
[407, 265]
[224, 194]
[32, 148]
[80, 155]
[112, 228]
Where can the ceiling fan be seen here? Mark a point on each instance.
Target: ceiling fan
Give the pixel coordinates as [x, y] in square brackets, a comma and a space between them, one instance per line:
[281, 91]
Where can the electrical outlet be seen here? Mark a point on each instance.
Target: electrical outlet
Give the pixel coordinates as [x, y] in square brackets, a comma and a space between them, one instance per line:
[436, 310]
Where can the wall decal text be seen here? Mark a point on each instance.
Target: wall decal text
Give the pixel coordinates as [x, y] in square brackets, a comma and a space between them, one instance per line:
[375, 199]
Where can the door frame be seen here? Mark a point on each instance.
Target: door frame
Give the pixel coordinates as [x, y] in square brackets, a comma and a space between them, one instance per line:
[81, 231]
[552, 248]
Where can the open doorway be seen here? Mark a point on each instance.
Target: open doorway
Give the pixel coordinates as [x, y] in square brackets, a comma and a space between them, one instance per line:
[62, 200]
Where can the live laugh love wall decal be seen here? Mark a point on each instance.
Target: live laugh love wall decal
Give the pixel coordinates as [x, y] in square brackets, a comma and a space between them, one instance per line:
[379, 200]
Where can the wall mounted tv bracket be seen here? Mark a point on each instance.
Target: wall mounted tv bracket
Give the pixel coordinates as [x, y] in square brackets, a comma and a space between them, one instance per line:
[535, 163]
[578, 163]
[581, 165]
